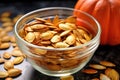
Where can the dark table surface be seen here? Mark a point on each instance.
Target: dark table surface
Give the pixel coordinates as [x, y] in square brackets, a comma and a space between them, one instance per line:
[108, 53]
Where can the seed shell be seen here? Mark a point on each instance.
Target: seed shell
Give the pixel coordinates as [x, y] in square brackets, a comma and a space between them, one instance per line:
[16, 53]
[14, 72]
[90, 71]
[8, 65]
[6, 55]
[18, 60]
[112, 73]
[4, 45]
[2, 60]
[3, 74]
[97, 66]
[107, 63]
[104, 77]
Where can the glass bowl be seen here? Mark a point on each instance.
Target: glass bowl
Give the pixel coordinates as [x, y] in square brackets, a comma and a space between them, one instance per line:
[59, 61]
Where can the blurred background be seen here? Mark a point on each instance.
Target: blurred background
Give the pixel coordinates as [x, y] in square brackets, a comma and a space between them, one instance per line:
[29, 5]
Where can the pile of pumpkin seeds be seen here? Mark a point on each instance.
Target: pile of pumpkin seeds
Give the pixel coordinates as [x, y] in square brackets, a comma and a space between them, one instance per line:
[8, 59]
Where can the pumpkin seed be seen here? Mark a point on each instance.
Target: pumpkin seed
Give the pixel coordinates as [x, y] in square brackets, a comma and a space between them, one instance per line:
[8, 65]
[16, 53]
[90, 71]
[18, 60]
[6, 55]
[73, 26]
[47, 35]
[104, 77]
[14, 72]
[65, 26]
[40, 19]
[97, 66]
[3, 74]
[55, 38]
[64, 33]
[38, 26]
[4, 45]
[70, 77]
[112, 73]
[107, 63]
[30, 37]
[61, 45]
[2, 60]
[70, 39]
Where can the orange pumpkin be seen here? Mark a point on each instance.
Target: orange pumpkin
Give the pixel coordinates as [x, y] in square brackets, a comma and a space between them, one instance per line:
[107, 12]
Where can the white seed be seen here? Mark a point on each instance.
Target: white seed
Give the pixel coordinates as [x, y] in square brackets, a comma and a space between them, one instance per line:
[30, 37]
[28, 29]
[97, 66]
[73, 26]
[18, 60]
[6, 55]
[64, 33]
[47, 35]
[14, 72]
[61, 45]
[16, 53]
[112, 73]
[107, 63]
[55, 39]
[81, 32]
[38, 26]
[104, 77]
[3, 74]
[70, 39]
[65, 27]
[37, 35]
[8, 65]
[4, 45]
